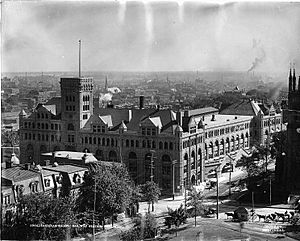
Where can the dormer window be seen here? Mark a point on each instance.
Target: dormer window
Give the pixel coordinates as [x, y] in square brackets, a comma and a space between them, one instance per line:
[59, 179]
[47, 182]
[34, 186]
[76, 179]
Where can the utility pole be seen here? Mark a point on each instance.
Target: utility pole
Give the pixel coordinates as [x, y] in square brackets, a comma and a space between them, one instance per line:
[217, 175]
[94, 238]
[79, 64]
[270, 190]
[173, 166]
[252, 206]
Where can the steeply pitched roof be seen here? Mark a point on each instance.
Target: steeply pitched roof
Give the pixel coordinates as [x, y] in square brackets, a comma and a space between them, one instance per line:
[18, 174]
[244, 107]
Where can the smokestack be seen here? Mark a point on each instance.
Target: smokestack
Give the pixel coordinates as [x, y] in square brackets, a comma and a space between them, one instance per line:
[142, 98]
[79, 66]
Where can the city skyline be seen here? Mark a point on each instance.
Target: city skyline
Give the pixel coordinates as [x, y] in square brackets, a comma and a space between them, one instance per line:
[155, 36]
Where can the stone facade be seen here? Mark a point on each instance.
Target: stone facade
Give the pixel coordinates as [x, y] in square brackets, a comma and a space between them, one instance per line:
[292, 163]
[153, 143]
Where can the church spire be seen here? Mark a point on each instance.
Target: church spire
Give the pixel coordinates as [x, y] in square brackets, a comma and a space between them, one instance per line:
[294, 78]
[290, 79]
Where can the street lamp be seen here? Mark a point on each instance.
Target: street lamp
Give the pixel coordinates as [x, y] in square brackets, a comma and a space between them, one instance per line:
[173, 167]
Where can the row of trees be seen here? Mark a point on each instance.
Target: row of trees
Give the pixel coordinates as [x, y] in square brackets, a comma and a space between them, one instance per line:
[107, 190]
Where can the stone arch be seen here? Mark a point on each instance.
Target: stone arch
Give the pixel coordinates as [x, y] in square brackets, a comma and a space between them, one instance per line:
[166, 172]
[193, 160]
[237, 142]
[185, 162]
[112, 156]
[210, 150]
[227, 145]
[232, 144]
[242, 140]
[216, 148]
[193, 180]
[99, 154]
[222, 147]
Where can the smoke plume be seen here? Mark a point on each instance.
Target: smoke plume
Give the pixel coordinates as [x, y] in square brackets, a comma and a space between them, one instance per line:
[261, 55]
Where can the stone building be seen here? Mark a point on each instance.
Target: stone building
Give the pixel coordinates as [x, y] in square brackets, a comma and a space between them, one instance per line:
[153, 143]
[292, 163]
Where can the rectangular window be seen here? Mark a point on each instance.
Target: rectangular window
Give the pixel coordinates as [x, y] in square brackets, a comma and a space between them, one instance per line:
[103, 129]
[94, 128]
[85, 116]
[143, 131]
[153, 131]
[148, 132]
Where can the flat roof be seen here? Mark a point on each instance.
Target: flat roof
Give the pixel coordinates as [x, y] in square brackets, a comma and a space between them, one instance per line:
[221, 120]
[65, 168]
[73, 155]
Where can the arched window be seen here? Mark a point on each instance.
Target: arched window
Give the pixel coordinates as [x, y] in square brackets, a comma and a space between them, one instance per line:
[99, 154]
[107, 142]
[90, 140]
[171, 145]
[153, 144]
[166, 146]
[185, 162]
[137, 144]
[112, 142]
[95, 140]
[103, 141]
[86, 140]
[160, 145]
[193, 160]
[144, 144]
[127, 143]
[132, 143]
[99, 141]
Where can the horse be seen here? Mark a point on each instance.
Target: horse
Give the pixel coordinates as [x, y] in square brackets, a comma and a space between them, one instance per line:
[280, 215]
[260, 216]
[229, 215]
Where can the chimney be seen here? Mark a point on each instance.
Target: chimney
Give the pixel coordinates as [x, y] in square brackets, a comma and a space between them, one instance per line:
[178, 117]
[142, 102]
[213, 117]
[8, 164]
[46, 162]
[27, 166]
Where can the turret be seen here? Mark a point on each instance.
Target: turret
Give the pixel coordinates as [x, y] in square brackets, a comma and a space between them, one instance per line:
[290, 81]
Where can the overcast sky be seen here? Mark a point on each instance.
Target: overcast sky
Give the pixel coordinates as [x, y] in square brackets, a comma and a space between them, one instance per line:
[133, 36]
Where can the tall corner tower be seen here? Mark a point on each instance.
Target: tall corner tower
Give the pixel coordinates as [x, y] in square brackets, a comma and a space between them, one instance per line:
[292, 164]
[76, 105]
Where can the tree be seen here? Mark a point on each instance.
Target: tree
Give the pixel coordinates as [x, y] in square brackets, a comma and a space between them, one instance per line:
[151, 193]
[195, 200]
[106, 191]
[42, 217]
[145, 228]
[176, 217]
[250, 165]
